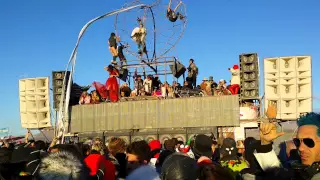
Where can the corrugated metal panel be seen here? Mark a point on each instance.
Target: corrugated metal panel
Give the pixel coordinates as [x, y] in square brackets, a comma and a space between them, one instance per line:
[171, 113]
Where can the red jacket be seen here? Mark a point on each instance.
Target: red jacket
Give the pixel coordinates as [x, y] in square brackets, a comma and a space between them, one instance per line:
[93, 161]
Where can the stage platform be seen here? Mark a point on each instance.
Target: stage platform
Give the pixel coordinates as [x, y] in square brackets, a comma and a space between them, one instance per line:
[156, 114]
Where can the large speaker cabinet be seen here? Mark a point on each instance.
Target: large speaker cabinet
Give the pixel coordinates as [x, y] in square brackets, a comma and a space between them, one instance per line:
[34, 103]
[57, 84]
[249, 75]
[288, 83]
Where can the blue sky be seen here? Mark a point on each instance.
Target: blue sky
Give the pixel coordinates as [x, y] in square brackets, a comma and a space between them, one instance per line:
[37, 37]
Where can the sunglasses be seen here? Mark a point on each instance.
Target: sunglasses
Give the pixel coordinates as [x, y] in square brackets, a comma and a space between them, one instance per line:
[307, 141]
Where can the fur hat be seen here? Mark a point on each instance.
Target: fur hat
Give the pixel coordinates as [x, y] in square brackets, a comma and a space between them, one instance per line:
[62, 165]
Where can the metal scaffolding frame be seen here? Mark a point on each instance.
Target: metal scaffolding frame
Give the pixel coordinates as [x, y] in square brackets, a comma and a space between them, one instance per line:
[149, 68]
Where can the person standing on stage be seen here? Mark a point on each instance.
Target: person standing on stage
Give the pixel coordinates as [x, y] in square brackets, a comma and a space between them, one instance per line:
[112, 83]
[192, 73]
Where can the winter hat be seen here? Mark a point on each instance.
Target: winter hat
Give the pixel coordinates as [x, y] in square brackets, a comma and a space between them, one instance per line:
[144, 173]
[229, 150]
[235, 67]
[154, 145]
[202, 146]
[62, 165]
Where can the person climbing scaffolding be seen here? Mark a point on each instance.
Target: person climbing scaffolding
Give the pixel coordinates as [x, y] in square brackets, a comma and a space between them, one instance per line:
[139, 36]
[173, 15]
[113, 47]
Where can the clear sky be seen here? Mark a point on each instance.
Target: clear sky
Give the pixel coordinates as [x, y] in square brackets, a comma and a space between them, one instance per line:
[37, 37]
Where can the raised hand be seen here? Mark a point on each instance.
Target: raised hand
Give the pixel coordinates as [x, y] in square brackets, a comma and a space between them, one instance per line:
[268, 133]
[271, 111]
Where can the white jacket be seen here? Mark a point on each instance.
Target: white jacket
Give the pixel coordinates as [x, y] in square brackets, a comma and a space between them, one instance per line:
[235, 78]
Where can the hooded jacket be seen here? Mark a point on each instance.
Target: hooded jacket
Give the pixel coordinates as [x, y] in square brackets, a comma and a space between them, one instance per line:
[93, 161]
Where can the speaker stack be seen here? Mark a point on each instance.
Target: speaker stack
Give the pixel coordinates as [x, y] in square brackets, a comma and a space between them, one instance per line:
[57, 84]
[34, 103]
[288, 83]
[177, 69]
[249, 75]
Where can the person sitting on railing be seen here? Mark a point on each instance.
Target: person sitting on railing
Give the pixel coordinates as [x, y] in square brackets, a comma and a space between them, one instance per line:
[222, 88]
[148, 85]
[156, 82]
[95, 98]
[171, 93]
[112, 83]
[85, 98]
[156, 93]
[125, 90]
[186, 86]
[138, 84]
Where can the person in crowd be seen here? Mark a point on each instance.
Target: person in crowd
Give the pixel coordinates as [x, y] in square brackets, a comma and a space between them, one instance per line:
[112, 83]
[202, 146]
[95, 158]
[156, 82]
[169, 146]
[101, 90]
[216, 152]
[307, 142]
[138, 84]
[85, 98]
[138, 154]
[235, 79]
[144, 173]
[213, 172]
[179, 166]
[147, 83]
[139, 35]
[240, 147]
[186, 86]
[117, 156]
[230, 159]
[65, 165]
[288, 154]
[113, 47]
[156, 93]
[95, 98]
[192, 73]
[155, 147]
[171, 93]
[212, 82]
[164, 91]
[203, 85]
[125, 89]
[173, 15]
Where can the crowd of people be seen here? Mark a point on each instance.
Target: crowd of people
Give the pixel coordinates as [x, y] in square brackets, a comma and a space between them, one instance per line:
[202, 157]
[152, 86]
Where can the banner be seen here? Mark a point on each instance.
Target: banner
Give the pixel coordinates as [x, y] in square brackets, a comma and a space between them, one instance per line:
[4, 130]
